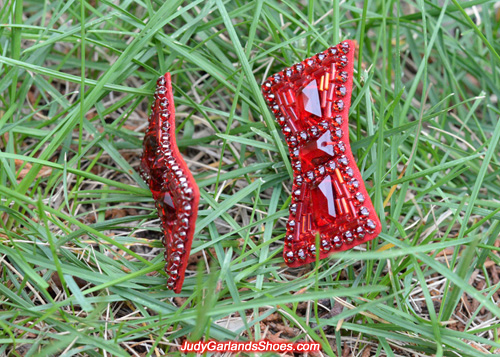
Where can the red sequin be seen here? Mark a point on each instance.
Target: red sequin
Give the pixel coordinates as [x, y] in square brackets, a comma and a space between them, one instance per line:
[171, 183]
[312, 107]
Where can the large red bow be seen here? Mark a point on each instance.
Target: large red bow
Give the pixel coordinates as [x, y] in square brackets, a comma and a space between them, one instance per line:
[311, 103]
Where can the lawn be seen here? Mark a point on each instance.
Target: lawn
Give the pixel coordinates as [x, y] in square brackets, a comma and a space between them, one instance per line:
[81, 258]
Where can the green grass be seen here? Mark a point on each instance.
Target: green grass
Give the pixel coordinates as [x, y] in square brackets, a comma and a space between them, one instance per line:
[81, 260]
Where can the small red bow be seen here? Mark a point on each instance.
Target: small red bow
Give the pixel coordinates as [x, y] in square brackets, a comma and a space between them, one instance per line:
[171, 183]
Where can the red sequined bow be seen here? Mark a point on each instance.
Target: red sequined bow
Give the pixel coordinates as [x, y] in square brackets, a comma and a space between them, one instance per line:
[311, 103]
[171, 183]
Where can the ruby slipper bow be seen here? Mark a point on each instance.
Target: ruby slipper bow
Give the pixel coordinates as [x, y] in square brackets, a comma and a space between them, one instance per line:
[311, 103]
[171, 183]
